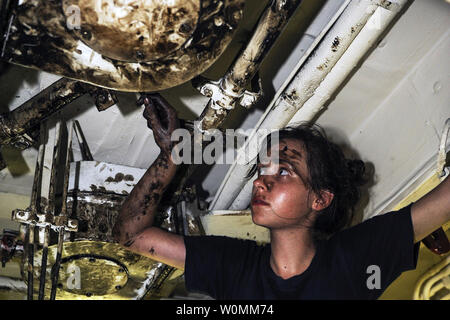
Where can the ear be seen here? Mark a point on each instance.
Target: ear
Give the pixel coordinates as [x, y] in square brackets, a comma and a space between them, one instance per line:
[323, 200]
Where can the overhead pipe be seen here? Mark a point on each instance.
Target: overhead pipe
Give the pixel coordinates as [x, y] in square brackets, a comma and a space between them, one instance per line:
[15, 126]
[19, 127]
[317, 76]
[225, 93]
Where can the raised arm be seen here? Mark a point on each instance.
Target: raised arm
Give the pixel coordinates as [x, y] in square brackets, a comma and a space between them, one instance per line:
[134, 226]
[431, 211]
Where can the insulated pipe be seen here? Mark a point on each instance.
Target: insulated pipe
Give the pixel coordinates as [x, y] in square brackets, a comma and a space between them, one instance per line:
[313, 82]
[273, 20]
[20, 121]
[230, 89]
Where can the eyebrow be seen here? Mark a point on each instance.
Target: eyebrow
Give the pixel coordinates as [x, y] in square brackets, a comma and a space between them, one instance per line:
[290, 165]
[295, 152]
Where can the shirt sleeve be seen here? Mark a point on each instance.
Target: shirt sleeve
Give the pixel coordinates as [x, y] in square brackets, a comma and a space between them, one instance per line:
[213, 264]
[377, 251]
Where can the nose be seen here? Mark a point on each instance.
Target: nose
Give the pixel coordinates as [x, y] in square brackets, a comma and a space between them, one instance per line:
[262, 182]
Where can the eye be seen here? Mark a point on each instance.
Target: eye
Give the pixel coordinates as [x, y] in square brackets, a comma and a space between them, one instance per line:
[283, 172]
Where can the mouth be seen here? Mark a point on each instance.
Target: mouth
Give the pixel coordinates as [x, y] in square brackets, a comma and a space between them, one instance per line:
[258, 201]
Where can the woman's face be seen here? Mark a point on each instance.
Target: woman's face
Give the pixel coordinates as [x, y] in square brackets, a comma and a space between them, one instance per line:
[281, 196]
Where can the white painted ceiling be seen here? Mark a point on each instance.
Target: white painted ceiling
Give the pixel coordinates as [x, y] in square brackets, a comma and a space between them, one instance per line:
[390, 112]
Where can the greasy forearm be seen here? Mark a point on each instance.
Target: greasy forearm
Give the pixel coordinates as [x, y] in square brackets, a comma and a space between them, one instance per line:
[431, 211]
[138, 210]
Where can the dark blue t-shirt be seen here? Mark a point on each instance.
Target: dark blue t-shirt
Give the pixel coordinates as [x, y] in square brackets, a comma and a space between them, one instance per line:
[357, 263]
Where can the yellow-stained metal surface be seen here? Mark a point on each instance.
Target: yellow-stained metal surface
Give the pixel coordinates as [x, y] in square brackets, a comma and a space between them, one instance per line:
[99, 271]
[239, 225]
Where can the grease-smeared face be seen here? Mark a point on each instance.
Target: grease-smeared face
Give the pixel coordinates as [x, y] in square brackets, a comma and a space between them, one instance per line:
[281, 196]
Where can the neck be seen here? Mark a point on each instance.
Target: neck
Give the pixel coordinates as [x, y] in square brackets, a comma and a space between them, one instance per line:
[292, 251]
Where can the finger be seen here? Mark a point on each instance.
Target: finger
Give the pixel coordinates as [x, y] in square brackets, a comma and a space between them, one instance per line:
[148, 111]
[162, 103]
[140, 101]
[166, 112]
[155, 120]
[150, 115]
[156, 96]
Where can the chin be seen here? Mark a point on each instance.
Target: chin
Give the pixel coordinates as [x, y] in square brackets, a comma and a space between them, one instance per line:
[255, 216]
[258, 218]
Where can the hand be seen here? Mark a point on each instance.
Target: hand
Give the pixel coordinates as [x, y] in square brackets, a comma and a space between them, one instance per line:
[161, 118]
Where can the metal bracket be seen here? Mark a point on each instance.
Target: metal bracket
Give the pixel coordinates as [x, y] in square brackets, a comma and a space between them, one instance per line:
[104, 98]
[225, 99]
[250, 98]
[9, 244]
[44, 220]
[54, 151]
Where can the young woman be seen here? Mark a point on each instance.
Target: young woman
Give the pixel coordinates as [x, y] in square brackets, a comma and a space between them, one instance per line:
[305, 199]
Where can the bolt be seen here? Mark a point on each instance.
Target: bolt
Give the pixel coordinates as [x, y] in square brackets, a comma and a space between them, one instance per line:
[91, 259]
[237, 15]
[218, 21]
[118, 287]
[140, 55]
[208, 93]
[101, 98]
[86, 34]
[121, 270]
[185, 28]
[88, 294]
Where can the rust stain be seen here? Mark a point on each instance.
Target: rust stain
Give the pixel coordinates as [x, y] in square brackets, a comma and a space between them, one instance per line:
[335, 44]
